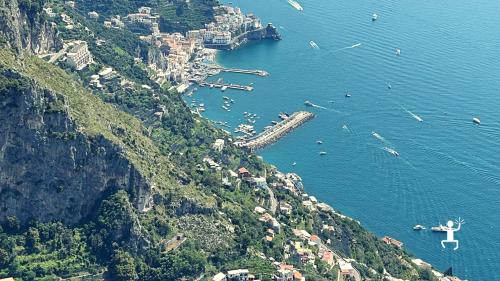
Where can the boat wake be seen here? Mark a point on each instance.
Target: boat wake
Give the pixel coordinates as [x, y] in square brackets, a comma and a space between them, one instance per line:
[418, 118]
[379, 137]
[349, 47]
[346, 129]
[295, 5]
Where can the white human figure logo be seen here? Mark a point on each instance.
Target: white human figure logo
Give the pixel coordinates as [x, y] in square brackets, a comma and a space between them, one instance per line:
[450, 233]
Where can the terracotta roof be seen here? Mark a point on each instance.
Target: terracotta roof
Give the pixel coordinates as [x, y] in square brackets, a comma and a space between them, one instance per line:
[243, 170]
[285, 266]
[297, 275]
[315, 238]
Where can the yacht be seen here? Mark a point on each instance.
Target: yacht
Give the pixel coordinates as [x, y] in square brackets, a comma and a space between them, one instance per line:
[308, 103]
[283, 116]
[319, 142]
[294, 163]
[322, 153]
[440, 228]
[347, 95]
[398, 52]
[295, 5]
[418, 227]
[374, 17]
[476, 121]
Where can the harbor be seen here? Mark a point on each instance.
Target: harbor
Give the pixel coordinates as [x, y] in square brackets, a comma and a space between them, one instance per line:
[261, 73]
[278, 131]
[224, 86]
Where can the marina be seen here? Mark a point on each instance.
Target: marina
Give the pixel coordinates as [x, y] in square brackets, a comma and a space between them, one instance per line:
[278, 131]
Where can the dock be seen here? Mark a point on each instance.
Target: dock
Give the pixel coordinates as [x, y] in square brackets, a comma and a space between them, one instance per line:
[261, 73]
[226, 86]
[278, 131]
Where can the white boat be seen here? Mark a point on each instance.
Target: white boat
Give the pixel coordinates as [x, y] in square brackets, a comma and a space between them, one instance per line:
[223, 88]
[374, 17]
[419, 227]
[347, 95]
[398, 52]
[440, 228]
[313, 45]
[225, 108]
[319, 142]
[296, 5]
[294, 163]
[322, 153]
[476, 121]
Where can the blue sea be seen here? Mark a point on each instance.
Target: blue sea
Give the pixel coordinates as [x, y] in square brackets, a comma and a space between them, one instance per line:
[448, 72]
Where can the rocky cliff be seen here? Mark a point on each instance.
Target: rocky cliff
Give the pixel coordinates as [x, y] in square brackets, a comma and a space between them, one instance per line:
[23, 26]
[49, 170]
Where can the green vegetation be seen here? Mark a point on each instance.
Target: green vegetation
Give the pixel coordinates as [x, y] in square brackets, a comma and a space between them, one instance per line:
[218, 222]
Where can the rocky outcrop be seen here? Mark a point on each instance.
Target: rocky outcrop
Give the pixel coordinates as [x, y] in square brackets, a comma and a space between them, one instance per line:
[25, 28]
[49, 170]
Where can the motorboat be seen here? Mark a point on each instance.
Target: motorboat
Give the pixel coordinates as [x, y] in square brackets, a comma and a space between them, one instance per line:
[419, 227]
[319, 142]
[476, 121]
[308, 103]
[322, 153]
[347, 95]
[440, 228]
[374, 17]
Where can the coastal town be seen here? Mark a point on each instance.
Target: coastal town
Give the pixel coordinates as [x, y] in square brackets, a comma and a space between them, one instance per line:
[183, 61]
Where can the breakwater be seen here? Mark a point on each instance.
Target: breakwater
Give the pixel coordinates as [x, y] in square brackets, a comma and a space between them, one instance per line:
[278, 131]
[268, 32]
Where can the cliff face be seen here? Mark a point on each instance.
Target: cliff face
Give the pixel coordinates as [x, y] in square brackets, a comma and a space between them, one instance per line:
[25, 28]
[48, 169]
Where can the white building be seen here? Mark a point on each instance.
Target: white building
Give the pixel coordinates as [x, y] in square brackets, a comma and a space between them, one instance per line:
[219, 277]
[78, 55]
[93, 15]
[237, 275]
[218, 145]
[284, 275]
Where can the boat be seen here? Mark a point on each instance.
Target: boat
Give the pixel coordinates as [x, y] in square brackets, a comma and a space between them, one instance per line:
[308, 103]
[398, 52]
[294, 163]
[440, 228]
[295, 5]
[347, 95]
[374, 17]
[202, 105]
[313, 45]
[319, 142]
[419, 227]
[225, 108]
[223, 88]
[231, 100]
[225, 98]
[476, 121]
[274, 122]
[322, 153]
[283, 116]
[390, 150]
[389, 86]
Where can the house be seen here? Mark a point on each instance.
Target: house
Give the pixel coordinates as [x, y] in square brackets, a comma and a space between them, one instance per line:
[78, 55]
[7, 279]
[259, 182]
[346, 268]
[297, 276]
[328, 258]
[302, 234]
[259, 210]
[324, 207]
[314, 240]
[313, 199]
[283, 275]
[308, 204]
[328, 228]
[421, 264]
[243, 173]
[218, 145]
[237, 275]
[93, 15]
[391, 241]
[219, 277]
[107, 73]
[285, 208]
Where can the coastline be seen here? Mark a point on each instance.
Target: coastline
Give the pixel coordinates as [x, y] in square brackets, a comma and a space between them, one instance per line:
[415, 259]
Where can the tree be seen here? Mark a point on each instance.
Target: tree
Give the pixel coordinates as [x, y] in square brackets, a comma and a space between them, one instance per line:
[122, 266]
[32, 240]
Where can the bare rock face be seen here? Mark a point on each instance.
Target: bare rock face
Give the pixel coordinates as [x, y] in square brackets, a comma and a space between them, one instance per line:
[25, 28]
[48, 169]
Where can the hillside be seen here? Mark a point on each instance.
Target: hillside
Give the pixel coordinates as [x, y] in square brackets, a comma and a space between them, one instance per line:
[114, 183]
